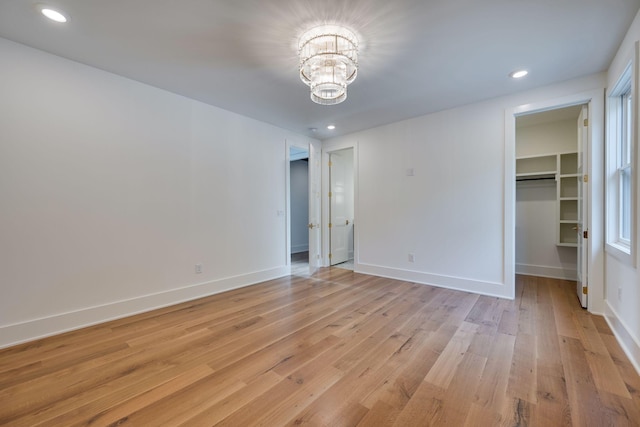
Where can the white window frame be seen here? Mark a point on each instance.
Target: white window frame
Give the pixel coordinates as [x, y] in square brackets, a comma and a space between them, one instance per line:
[622, 135]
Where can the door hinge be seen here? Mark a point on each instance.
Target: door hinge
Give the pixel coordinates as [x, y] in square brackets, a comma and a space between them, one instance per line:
[585, 234]
[585, 290]
[330, 164]
[329, 193]
[329, 256]
[330, 225]
[585, 178]
[586, 122]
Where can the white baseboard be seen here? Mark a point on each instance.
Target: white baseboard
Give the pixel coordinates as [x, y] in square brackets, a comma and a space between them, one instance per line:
[627, 341]
[493, 289]
[544, 271]
[299, 248]
[52, 325]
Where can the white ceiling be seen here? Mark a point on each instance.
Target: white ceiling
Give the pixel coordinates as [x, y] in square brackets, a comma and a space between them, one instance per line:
[417, 56]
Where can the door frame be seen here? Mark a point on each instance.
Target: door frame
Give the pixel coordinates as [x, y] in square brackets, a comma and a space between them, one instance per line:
[595, 190]
[288, 145]
[327, 149]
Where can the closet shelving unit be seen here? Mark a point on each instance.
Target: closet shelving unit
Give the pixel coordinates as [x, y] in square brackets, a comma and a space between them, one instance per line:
[568, 200]
[563, 167]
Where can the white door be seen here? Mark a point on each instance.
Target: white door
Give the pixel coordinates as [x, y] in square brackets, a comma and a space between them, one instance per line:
[338, 210]
[583, 135]
[315, 212]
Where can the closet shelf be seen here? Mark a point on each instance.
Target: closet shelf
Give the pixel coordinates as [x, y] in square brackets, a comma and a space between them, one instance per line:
[563, 168]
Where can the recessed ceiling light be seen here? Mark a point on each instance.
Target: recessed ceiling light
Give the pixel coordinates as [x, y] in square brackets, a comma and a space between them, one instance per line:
[54, 15]
[518, 74]
[331, 127]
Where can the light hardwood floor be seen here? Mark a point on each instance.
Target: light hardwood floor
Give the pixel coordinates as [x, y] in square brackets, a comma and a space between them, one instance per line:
[337, 349]
[300, 264]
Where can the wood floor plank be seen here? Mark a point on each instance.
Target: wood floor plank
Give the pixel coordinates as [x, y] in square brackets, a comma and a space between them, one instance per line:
[604, 371]
[492, 390]
[124, 409]
[447, 364]
[459, 394]
[523, 376]
[586, 407]
[423, 408]
[626, 370]
[339, 348]
[552, 400]
[396, 389]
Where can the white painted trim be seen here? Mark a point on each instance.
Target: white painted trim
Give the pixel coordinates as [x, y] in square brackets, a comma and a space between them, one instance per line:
[545, 271]
[303, 144]
[509, 208]
[492, 289]
[627, 341]
[64, 322]
[299, 248]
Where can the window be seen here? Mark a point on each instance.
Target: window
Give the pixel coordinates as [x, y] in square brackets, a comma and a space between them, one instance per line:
[620, 167]
[624, 169]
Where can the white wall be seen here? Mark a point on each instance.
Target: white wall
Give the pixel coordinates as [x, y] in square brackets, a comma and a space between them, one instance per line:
[111, 191]
[536, 206]
[547, 138]
[299, 206]
[451, 213]
[536, 250]
[622, 281]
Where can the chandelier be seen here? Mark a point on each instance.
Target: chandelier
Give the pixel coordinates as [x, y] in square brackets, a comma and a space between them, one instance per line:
[328, 62]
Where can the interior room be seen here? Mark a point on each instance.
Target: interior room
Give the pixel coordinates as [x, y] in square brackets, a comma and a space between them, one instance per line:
[326, 213]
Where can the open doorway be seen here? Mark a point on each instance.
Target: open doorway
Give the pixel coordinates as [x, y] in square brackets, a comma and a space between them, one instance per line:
[299, 210]
[589, 264]
[341, 208]
[550, 202]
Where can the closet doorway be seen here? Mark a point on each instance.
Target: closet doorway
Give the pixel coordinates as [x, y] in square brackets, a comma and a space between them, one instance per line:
[550, 201]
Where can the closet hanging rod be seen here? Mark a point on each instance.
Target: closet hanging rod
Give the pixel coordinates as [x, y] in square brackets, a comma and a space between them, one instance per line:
[541, 178]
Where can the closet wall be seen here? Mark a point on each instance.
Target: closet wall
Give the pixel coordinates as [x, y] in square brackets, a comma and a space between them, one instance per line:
[537, 252]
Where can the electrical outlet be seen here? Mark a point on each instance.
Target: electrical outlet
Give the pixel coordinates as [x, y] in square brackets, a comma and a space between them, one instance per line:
[198, 268]
[412, 257]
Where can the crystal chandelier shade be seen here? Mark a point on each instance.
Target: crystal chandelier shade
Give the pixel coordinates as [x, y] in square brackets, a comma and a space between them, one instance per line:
[328, 62]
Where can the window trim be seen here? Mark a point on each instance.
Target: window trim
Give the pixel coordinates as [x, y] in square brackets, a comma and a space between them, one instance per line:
[616, 245]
